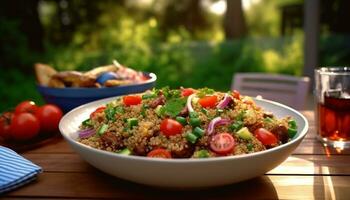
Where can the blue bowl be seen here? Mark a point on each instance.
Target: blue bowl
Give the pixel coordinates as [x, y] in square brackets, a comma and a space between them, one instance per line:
[69, 98]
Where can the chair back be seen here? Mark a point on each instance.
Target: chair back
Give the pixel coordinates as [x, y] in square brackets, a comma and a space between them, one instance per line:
[289, 90]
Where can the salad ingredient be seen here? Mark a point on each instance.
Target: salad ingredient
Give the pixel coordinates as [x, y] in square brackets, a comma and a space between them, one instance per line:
[170, 127]
[222, 143]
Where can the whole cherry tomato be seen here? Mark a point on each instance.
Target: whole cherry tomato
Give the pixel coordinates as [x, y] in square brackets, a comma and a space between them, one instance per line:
[5, 122]
[26, 106]
[49, 116]
[24, 126]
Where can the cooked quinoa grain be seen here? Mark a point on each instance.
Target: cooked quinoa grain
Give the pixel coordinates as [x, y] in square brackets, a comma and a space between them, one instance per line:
[165, 123]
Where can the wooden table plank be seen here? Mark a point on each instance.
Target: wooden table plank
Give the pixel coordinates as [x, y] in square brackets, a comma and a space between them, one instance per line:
[99, 185]
[315, 147]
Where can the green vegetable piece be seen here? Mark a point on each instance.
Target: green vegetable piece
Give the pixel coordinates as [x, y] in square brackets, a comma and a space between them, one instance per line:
[268, 120]
[292, 124]
[244, 133]
[195, 122]
[87, 122]
[125, 151]
[149, 96]
[240, 116]
[250, 147]
[143, 110]
[204, 91]
[191, 137]
[198, 132]
[193, 115]
[119, 109]
[174, 106]
[292, 132]
[110, 113]
[235, 126]
[159, 110]
[103, 128]
[181, 120]
[202, 153]
[204, 111]
[132, 122]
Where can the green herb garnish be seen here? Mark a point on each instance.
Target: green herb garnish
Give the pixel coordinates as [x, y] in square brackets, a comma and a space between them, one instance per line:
[204, 91]
[173, 107]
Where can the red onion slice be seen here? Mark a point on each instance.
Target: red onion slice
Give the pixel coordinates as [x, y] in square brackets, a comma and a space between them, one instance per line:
[86, 133]
[224, 102]
[189, 103]
[215, 122]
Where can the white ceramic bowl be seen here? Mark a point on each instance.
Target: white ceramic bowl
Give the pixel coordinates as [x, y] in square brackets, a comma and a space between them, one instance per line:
[183, 173]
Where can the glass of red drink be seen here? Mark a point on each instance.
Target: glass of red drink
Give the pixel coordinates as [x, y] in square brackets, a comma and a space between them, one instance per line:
[332, 90]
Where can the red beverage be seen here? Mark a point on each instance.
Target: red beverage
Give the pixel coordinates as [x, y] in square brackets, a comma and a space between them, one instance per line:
[334, 119]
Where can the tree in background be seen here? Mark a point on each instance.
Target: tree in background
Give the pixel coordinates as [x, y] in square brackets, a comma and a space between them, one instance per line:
[234, 22]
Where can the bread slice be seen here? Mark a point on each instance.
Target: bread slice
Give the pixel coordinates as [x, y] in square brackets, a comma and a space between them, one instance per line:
[44, 73]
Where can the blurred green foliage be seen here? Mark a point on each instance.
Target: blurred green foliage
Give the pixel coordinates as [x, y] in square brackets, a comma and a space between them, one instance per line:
[176, 57]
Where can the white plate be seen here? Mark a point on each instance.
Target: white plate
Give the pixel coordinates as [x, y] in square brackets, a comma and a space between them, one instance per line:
[183, 173]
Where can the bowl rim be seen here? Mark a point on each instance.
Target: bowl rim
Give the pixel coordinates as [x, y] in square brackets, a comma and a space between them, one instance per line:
[152, 78]
[299, 137]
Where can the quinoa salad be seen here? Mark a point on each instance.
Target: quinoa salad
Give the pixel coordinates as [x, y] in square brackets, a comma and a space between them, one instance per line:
[185, 123]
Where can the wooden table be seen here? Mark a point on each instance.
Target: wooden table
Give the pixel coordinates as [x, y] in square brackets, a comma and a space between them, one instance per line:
[311, 172]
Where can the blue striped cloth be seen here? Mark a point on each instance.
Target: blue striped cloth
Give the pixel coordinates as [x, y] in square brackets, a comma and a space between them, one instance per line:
[15, 170]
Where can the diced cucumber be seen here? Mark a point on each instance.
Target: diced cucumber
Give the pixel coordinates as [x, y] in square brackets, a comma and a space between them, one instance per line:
[244, 133]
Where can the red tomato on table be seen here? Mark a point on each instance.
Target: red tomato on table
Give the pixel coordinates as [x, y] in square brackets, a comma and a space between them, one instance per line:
[26, 106]
[24, 126]
[5, 122]
[49, 116]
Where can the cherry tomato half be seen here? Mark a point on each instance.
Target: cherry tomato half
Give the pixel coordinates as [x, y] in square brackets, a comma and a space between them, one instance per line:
[236, 94]
[98, 110]
[26, 106]
[132, 100]
[208, 101]
[49, 116]
[5, 122]
[24, 126]
[265, 136]
[222, 143]
[187, 92]
[159, 153]
[170, 127]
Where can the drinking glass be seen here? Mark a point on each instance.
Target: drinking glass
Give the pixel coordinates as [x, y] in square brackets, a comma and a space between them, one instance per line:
[332, 91]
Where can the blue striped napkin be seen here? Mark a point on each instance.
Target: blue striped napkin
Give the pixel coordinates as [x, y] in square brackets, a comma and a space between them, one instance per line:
[15, 170]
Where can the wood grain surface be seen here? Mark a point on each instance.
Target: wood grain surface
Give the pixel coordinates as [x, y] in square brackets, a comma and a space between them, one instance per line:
[311, 172]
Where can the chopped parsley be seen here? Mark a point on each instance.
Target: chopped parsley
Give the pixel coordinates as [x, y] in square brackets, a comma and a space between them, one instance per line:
[110, 111]
[173, 107]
